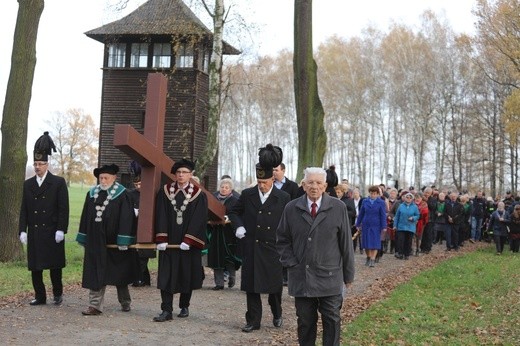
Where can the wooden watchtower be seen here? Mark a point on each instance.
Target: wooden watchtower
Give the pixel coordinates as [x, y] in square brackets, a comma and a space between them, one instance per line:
[160, 36]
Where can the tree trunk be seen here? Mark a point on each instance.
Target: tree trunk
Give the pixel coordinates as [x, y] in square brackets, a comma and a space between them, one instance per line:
[215, 69]
[14, 126]
[312, 138]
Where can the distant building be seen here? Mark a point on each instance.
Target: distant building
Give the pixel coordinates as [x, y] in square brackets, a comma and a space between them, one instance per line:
[160, 36]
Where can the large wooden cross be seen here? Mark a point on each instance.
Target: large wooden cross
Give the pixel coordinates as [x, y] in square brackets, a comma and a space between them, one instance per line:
[147, 149]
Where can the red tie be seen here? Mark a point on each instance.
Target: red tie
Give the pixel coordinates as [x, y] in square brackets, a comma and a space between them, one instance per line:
[313, 210]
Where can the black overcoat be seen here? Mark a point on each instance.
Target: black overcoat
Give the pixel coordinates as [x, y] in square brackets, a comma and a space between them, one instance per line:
[291, 188]
[261, 266]
[222, 242]
[44, 210]
[180, 271]
[101, 265]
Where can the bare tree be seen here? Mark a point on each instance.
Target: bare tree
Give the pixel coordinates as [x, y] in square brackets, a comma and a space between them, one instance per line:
[14, 125]
[75, 136]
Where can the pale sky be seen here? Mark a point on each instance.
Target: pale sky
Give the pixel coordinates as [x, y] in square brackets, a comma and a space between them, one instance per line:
[68, 69]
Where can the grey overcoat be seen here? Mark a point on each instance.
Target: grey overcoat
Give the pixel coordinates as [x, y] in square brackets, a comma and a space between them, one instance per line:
[318, 252]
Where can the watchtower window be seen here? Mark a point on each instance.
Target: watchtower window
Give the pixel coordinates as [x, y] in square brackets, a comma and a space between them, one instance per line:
[139, 57]
[116, 55]
[207, 57]
[162, 55]
[184, 57]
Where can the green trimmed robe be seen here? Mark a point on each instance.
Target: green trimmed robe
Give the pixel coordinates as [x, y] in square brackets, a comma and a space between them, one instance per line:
[101, 265]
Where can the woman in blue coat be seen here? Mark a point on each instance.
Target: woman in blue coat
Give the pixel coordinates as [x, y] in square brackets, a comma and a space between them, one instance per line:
[405, 222]
[372, 221]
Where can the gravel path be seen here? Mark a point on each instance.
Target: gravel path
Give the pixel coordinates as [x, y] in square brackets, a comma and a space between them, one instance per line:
[216, 317]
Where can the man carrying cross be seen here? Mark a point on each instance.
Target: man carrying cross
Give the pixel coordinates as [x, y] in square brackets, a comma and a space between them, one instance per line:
[180, 233]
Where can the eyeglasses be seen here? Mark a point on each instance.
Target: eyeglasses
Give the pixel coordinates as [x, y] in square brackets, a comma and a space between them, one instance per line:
[39, 164]
[182, 172]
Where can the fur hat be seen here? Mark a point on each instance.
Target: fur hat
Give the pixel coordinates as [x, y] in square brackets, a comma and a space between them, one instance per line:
[109, 169]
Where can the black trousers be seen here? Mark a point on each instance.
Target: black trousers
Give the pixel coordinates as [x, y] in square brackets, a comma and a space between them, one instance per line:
[167, 300]
[404, 242]
[254, 307]
[307, 313]
[427, 238]
[39, 286]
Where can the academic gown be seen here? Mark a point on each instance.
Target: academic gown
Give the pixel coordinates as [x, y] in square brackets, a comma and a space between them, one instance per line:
[101, 265]
[181, 271]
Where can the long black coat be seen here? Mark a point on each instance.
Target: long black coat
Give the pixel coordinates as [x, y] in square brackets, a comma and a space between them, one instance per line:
[44, 210]
[222, 242]
[180, 271]
[101, 265]
[261, 266]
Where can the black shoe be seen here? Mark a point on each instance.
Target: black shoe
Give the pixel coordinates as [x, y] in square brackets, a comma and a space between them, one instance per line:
[277, 322]
[248, 328]
[217, 288]
[184, 313]
[125, 308]
[231, 282]
[139, 284]
[164, 316]
[57, 300]
[38, 302]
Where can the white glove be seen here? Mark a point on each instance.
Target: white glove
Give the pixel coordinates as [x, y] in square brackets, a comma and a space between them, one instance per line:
[136, 212]
[184, 246]
[23, 238]
[240, 233]
[59, 236]
[162, 246]
[122, 247]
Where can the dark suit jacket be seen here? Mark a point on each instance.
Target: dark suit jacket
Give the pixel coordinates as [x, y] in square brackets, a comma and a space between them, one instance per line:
[44, 210]
[291, 188]
[261, 267]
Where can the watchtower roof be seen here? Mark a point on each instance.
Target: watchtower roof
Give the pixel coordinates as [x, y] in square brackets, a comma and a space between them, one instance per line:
[157, 18]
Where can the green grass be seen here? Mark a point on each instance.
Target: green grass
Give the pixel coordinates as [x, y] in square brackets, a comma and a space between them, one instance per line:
[15, 277]
[469, 300]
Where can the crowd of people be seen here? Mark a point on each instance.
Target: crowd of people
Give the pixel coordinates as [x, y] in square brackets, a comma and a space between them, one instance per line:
[410, 222]
[276, 232]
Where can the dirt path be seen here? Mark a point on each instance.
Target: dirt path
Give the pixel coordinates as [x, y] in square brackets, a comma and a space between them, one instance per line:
[216, 317]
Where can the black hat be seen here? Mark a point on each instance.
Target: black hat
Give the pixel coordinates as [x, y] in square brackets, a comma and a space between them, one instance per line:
[270, 156]
[263, 172]
[110, 169]
[332, 177]
[183, 163]
[43, 147]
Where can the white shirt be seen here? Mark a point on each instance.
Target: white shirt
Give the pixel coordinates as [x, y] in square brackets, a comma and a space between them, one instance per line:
[265, 196]
[40, 180]
[318, 204]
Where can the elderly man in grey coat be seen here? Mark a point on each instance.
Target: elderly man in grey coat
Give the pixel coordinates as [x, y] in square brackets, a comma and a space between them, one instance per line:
[315, 244]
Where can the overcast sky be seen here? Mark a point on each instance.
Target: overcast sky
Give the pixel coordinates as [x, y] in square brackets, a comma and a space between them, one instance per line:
[68, 70]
